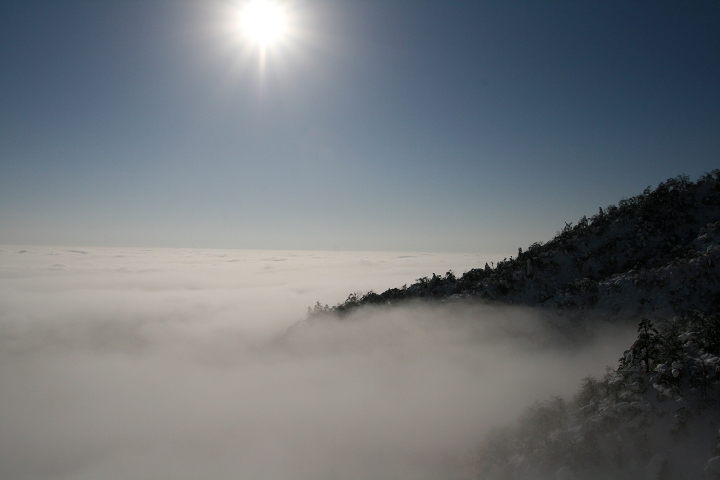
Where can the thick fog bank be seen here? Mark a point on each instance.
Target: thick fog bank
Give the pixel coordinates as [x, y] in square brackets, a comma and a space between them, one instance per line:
[180, 364]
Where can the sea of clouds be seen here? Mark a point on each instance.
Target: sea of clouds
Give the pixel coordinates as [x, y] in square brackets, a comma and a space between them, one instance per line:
[186, 363]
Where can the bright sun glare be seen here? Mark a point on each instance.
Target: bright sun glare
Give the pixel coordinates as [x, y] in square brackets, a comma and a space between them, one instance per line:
[263, 22]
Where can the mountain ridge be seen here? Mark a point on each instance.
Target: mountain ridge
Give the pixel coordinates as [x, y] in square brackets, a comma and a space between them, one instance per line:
[653, 258]
[653, 254]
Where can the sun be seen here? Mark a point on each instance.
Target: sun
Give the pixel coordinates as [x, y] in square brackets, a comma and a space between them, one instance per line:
[263, 22]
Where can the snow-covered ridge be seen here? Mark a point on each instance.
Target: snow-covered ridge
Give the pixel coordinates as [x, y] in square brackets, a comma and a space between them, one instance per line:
[655, 416]
[654, 254]
[653, 259]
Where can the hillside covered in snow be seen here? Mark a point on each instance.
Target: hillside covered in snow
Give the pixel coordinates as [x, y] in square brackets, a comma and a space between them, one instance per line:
[653, 259]
[655, 254]
[656, 416]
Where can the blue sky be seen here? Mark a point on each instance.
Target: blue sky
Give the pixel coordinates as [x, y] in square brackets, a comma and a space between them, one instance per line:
[394, 125]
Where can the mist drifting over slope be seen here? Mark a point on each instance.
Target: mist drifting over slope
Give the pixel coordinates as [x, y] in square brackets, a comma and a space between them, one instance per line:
[179, 364]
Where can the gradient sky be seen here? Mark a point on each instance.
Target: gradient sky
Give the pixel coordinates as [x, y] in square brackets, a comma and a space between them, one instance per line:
[393, 125]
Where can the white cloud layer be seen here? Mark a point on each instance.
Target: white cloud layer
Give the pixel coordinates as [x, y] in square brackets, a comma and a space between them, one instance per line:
[159, 364]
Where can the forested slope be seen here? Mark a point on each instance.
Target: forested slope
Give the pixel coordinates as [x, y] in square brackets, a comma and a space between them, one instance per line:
[653, 259]
[655, 254]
